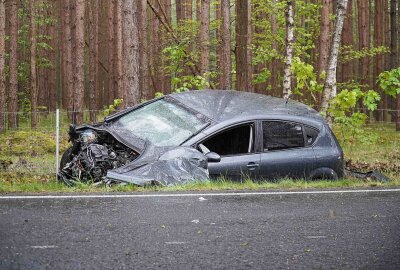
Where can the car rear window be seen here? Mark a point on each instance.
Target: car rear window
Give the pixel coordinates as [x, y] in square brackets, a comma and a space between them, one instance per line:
[279, 135]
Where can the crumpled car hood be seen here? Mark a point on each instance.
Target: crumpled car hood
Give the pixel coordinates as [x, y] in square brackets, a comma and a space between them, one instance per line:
[165, 166]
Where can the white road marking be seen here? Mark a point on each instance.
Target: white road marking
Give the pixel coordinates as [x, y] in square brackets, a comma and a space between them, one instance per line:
[315, 236]
[43, 247]
[227, 194]
[175, 243]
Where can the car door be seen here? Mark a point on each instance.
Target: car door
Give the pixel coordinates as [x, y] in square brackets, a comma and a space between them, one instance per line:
[235, 145]
[285, 151]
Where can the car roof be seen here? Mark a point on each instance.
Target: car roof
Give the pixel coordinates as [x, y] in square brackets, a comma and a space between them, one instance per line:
[224, 105]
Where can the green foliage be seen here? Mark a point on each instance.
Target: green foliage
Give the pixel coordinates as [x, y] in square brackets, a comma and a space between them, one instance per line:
[347, 53]
[342, 108]
[185, 83]
[305, 77]
[158, 94]
[389, 81]
[112, 108]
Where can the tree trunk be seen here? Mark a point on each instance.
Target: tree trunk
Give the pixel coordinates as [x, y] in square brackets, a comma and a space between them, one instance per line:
[79, 73]
[378, 65]
[2, 65]
[204, 37]
[155, 52]
[188, 9]
[287, 79]
[225, 55]
[242, 35]
[166, 78]
[143, 48]
[93, 57]
[51, 71]
[393, 51]
[274, 64]
[393, 34]
[69, 72]
[329, 91]
[324, 38]
[13, 90]
[249, 51]
[119, 86]
[347, 68]
[364, 35]
[33, 64]
[110, 51]
[131, 52]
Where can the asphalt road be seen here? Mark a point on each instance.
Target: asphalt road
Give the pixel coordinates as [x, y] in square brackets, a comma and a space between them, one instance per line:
[279, 231]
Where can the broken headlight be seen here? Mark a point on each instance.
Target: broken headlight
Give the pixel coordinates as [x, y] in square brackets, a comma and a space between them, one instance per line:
[88, 136]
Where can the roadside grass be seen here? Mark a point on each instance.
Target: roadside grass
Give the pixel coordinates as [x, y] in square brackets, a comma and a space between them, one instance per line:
[27, 164]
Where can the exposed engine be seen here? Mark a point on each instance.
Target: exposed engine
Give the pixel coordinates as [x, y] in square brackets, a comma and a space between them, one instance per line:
[91, 156]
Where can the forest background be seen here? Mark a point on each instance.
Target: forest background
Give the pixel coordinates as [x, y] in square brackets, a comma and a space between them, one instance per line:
[84, 55]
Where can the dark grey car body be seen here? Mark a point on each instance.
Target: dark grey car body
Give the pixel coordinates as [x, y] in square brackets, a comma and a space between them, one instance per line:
[256, 136]
[227, 109]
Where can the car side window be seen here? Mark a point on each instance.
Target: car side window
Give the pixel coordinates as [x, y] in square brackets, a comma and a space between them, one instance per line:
[278, 135]
[234, 141]
[311, 135]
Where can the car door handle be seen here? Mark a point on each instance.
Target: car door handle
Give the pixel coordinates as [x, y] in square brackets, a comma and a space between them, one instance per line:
[252, 166]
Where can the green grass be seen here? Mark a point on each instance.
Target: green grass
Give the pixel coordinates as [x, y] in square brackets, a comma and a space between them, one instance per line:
[27, 164]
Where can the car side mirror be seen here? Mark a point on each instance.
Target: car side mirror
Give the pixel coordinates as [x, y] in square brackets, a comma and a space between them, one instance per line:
[213, 157]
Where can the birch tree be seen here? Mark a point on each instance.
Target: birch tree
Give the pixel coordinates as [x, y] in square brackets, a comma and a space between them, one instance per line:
[329, 91]
[287, 77]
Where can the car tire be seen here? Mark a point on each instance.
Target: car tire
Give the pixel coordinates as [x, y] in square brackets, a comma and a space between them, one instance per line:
[323, 174]
[66, 157]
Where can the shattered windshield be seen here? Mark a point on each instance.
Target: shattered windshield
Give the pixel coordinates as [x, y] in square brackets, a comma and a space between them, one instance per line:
[162, 123]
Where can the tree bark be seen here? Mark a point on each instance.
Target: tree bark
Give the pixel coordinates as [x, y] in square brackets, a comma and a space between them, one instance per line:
[364, 36]
[242, 35]
[347, 68]
[69, 70]
[204, 37]
[143, 49]
[2, 65]
[287, 77]
[378, 65]
[51, 71]
[119, 86]
[329, 91]
[155, 51]
[324, 38]
[249, 51]
[110, 50]
[393, 34]
[166, 80]
[79, 74]
[13, 90]
[225, 55]
[93, 57]
[33, 64]
[131, 52]
[393, 51]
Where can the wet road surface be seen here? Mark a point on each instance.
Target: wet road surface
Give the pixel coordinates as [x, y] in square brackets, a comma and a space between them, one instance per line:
[265, 231]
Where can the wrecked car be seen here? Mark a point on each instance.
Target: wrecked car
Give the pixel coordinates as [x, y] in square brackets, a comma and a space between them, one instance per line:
[202, 134]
